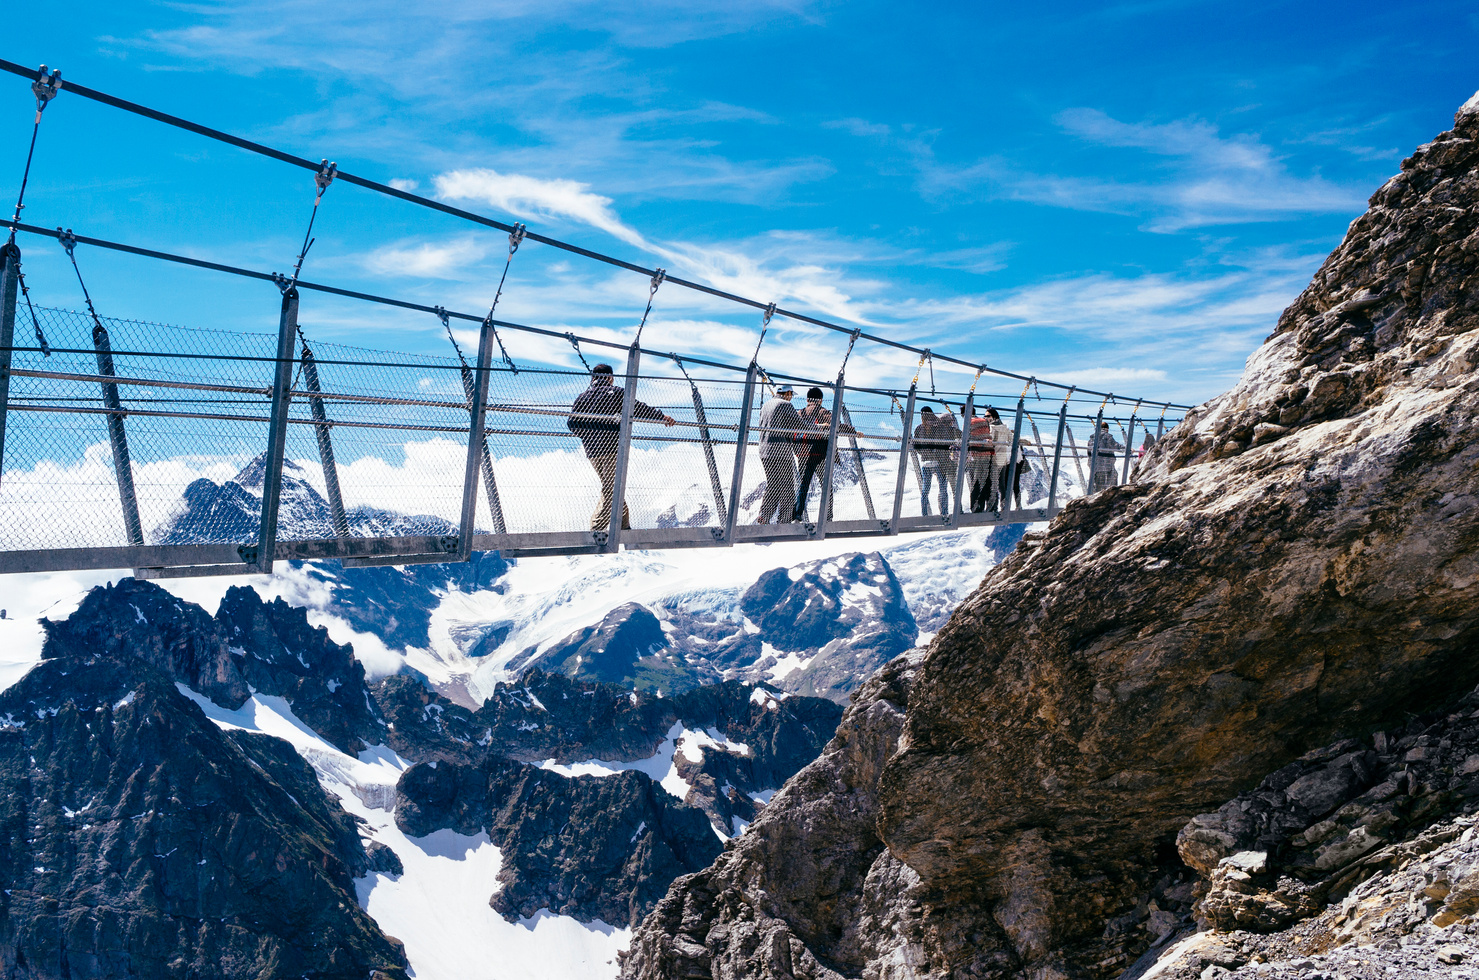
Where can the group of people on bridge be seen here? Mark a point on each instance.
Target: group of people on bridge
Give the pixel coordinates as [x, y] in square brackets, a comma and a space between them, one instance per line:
[794, 443]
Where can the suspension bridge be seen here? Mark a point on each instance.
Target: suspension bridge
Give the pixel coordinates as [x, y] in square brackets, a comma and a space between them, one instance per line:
[180, 451]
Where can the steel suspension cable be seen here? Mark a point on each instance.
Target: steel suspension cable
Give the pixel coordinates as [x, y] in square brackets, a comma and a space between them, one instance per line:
[45, 88]
[764, 326]
[657, 278]
[284, 157]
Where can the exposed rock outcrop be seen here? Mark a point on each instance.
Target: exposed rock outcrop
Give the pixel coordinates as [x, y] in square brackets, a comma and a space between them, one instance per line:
[1298, 560]
[591, 847]
[137, 839]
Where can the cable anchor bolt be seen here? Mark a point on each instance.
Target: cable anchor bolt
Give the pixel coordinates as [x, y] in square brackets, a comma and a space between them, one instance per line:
[45, 88]
[67, 239]
[441, 312]
[326, 173]
[657, 280]
[516, 237]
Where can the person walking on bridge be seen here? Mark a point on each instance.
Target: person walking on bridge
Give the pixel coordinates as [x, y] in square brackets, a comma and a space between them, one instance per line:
[1109, 449]
[780, 428]
[982, 452]
[935, 439]
[811, 452]
[595, 417]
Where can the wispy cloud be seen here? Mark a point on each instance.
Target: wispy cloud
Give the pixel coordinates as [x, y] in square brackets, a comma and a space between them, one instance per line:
[428, 260]
[1204, 178]
[536, 198]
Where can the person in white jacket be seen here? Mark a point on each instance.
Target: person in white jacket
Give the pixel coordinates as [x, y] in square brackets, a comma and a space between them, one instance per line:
[780, 428]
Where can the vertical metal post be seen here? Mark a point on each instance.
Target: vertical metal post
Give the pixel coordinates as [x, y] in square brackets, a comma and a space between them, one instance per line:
[906, 450]
[857, 455]
[1012, 463]
[490, 482]
[118, 438]
[476, 440]
[828, 470]
[1129, 449]
[277, 429]
[741, 450]
[623, 451]
[1057, 458]
[1160, 428]
[708, 445]
[325, 445]
[1094, 452]
[967, 413]
[10, 267]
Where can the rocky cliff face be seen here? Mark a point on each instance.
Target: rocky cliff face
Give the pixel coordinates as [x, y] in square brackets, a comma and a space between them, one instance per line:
[1298, 560]
[140, 840]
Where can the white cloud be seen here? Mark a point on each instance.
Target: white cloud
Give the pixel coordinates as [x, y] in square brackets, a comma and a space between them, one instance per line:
[537, 198]
[1204, 178]
[430, 260]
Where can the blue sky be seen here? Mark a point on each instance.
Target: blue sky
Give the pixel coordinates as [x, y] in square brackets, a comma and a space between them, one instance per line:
[1123, 196]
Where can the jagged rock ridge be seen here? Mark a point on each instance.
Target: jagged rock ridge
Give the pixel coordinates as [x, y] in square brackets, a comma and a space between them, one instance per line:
[1299, 558]
[112, 777]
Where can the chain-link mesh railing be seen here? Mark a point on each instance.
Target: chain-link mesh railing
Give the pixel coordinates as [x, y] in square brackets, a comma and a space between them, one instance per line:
[377, 446]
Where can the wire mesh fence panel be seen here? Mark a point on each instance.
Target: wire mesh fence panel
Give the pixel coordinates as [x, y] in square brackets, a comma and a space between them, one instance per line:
[549, 477]
[397, 428]
[669, 481]
[61, 486]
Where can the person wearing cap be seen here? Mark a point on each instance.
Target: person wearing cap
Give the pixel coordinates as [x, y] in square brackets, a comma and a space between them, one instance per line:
[595, 417]
[1109, 450]
[935, 439]
[811, 451]
[780, 427]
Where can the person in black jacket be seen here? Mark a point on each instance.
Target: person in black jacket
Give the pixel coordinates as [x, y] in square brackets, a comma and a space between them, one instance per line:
[595, 417]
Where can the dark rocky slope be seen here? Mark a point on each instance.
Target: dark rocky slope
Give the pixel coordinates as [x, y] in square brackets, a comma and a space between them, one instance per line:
[137, 839]
[1297, 561]
[142, 840]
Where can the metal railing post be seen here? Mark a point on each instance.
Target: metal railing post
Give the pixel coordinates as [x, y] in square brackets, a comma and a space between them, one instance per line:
[623, 452]
[321, 428]
[906, 449]
[741, 450]
[967, 413]
[277, 429]
[118, 438]
[1057, 458]
[1094, 452]
[1007, 494]
[857, 455]
[10, 267]
[477, 407]
[1129, 449]
[828, 470]
[708, 445]
[490, 481]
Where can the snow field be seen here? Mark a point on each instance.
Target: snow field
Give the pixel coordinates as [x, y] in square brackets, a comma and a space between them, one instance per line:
[439, 906]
